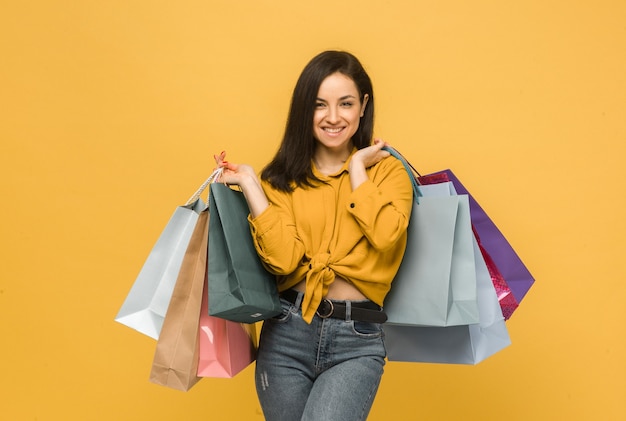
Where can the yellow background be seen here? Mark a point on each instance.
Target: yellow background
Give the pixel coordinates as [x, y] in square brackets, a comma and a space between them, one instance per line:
[110, 112]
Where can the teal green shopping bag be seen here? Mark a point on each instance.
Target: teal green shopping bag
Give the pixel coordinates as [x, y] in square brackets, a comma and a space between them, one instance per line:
[240, 288]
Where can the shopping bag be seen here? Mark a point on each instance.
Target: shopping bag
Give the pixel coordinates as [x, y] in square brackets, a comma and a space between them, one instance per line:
[175, 362]
[226, 347]
[468, 344]
[510, 276]
[146, 304]
[436, 282]
[240, 288]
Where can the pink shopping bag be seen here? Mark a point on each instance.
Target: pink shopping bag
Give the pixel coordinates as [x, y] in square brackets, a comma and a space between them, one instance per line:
[226, 347]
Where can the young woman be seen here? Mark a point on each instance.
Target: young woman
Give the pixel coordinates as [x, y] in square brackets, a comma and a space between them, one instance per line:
[328, 217]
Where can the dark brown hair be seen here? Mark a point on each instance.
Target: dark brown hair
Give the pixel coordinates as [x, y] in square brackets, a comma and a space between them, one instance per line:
[291, 166]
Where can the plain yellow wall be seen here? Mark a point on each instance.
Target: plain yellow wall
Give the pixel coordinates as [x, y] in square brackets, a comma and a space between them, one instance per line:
[110, 112]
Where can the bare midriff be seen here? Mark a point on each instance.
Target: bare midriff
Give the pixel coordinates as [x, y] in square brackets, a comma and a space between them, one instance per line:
[339, 289]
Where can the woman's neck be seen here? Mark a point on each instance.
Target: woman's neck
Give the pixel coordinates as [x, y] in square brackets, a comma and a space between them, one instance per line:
[330, 162]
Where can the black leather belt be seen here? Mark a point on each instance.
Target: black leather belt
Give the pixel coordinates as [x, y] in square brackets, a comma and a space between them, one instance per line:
[363, 311]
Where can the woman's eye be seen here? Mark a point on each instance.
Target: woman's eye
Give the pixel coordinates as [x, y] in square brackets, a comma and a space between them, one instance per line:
[347, 104]
[319, 105]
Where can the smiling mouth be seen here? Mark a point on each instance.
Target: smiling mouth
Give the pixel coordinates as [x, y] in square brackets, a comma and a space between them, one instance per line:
[333, 130]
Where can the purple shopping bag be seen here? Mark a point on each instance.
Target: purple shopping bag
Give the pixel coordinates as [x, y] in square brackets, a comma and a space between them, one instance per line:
[510, 277]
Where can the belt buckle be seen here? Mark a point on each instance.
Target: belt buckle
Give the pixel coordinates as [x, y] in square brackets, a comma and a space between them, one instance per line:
[327, 308]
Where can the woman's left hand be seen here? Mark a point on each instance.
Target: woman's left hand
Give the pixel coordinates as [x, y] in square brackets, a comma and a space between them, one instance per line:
[371, 155]
[363, 159]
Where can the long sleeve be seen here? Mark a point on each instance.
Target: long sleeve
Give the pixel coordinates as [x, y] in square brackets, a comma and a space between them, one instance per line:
[382, 205]
[275, 234]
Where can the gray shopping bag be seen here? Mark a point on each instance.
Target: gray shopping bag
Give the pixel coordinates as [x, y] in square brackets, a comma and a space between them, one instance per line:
[146, 304]
[469, 344]
[436, 282]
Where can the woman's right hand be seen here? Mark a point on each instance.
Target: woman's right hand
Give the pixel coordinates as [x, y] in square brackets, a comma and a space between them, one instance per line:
[243, 175]
[235, 174]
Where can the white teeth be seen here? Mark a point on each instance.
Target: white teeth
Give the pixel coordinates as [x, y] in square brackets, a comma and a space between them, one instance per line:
[332, 130]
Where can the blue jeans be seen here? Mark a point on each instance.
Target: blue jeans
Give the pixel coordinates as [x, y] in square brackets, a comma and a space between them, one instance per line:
[327, 370]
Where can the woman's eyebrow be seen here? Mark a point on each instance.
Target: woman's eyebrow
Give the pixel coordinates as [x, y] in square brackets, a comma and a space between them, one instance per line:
[343, 98]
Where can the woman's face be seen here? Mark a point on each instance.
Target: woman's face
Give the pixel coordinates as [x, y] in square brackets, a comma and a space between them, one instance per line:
[338, 110]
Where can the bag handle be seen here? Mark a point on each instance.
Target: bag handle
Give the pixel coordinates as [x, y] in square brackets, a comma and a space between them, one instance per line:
[410, 169]
[215, 175]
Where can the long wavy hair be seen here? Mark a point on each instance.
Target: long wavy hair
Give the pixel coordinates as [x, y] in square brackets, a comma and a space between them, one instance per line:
[291, 166]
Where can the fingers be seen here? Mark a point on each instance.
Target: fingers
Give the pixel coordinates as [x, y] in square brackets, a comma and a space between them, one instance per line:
[221, 163]
[379, 143]
[378, 146]
[219, 159]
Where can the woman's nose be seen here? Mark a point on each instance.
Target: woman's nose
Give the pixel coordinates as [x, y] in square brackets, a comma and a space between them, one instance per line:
[332, 115]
